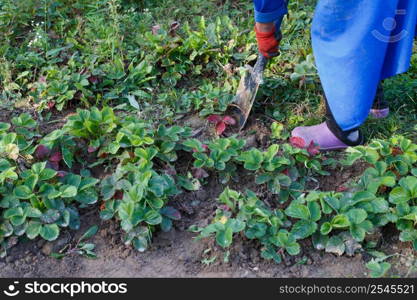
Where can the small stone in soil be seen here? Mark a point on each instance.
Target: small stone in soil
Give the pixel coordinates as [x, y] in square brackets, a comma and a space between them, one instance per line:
[195, 203]
[47, 249]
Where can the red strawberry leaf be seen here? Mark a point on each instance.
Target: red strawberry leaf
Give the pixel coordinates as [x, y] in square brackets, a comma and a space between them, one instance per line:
[103, 155]
[91, 149]
[220, 128]
[313, 149]
[297, 142]
[51, 104]
[93, 79]
[42, 152]
[118, 195]
[214, 119]
[229, 120]
[61, 174]
[341, 188]
[396, 151]
[55, 157]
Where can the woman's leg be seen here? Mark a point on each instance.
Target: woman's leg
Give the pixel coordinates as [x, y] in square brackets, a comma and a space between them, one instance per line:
[350, 57]
[380, 107]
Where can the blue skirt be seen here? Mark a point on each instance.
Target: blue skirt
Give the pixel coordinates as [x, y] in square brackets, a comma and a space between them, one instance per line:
[356, 44]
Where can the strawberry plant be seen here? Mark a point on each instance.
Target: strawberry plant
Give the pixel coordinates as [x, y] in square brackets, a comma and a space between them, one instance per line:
[223, 150]
[306, 215]
[81, 247]
[285, 170]
[92, 125]
[131, 134]
[337, 222]
[270, 167]
[217, 155]
[247, 214]
[23, 126]
[7, 171]
[376, 179]
[393, 177]
[223, 227]
[39, 203]
[167, 141]
[252, 159]
[60, 86]
[221, 122]
[19, 142]
[8, 146]
[195, 49]
[378, 268]
[56, 147]
[156, 63]
[278, 131]
[137, 196]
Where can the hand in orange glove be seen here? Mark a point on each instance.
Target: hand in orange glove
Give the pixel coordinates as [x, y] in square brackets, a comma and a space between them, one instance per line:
[268, 39]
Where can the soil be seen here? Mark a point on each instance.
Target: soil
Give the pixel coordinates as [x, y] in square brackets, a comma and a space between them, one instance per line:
[177, 254]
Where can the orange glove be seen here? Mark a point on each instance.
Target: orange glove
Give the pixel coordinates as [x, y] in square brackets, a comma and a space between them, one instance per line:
[267, 42]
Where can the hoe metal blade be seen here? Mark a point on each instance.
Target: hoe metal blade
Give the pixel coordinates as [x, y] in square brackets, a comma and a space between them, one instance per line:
[246, 93]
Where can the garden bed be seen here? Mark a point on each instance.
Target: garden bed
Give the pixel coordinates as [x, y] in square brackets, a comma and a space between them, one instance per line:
[118, 158]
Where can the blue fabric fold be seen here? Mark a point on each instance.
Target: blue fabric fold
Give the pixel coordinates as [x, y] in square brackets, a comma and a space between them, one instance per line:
[267, 11]
[356, 44]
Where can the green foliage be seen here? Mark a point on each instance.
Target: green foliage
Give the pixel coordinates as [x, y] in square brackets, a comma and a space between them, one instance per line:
[137, 196]
[285, 170]
[19, 142]
[82, 247]
[136, 193]
[38, 203]
[247, 214]
[92, 124]
[84, 53]
[390, 184]
[305, 70]
[41, 201]
[378, 269]
[130, 57]
[337, 222]
[278, 131]
[220, 156]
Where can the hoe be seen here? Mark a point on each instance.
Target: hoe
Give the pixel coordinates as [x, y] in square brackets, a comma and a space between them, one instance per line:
[246, 93]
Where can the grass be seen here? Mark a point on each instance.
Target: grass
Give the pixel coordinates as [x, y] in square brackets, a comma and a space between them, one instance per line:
[81, 53]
